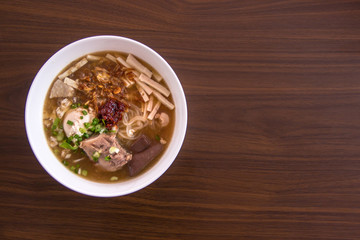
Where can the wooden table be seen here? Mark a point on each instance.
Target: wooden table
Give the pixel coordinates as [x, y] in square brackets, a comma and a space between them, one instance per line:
[272, 149]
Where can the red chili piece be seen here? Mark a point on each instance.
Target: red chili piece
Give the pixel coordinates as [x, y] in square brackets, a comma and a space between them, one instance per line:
[111, 111]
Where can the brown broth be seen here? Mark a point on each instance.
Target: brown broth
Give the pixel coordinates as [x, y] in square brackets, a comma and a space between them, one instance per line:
[95, 173]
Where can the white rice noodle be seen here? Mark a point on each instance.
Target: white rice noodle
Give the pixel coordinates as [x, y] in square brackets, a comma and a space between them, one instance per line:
[133, 111]
[71, 83]
[133, 122]
[142, 93]
[154, 111]
[150, 103]
[92, 57]
[157, 76]
[139, 126]
[73, 69]
[163, 100]
[123, 62]
[111, 57]
[134, 63]
[147, 89]
[135, 119]
[125, 136]
[154, 85]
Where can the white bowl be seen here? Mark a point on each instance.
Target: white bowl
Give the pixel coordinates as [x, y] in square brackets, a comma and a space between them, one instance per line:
[34, 115]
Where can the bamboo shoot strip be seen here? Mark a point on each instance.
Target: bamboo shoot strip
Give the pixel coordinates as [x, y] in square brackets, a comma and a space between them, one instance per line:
[71, 82]
[142, 107]
[127, 83]
[136, 73]
[157, 76]
[150, 103]
[111, 57]
[145, 113]
[147, 89]
[92, 57]
[163, 100]
[142, 93]
[133, 62]
[154, 111]
[155, 85]
[123, 62]
[73, 69]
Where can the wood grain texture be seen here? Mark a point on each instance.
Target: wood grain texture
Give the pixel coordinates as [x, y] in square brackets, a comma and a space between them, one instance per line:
[272, 149]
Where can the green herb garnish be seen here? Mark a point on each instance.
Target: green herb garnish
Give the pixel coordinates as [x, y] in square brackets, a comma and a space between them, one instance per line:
[107, 158]
[95, 121]
[96, 156]
[55, 124]
[66, 145]
[84, 112]
[84, 173]
[157, 137]
[75, 105]
[98, 128]
[60, 136]
[114, 178]
[70, 122]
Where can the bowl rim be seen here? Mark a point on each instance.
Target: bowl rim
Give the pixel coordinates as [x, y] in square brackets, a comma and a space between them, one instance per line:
[82, 185]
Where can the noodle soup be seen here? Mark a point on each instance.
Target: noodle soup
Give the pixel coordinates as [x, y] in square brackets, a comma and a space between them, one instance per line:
[108, 116]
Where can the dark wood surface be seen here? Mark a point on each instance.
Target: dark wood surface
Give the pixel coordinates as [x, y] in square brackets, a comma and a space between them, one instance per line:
[272, 149]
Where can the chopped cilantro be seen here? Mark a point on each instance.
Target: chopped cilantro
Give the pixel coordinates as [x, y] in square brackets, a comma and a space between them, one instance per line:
[95, 121]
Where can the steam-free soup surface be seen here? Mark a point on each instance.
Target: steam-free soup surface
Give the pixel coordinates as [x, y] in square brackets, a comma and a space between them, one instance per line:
[108, 116]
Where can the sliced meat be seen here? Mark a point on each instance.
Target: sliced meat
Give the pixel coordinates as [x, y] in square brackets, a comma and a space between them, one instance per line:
[142, 143]
[142, 159]
[112, 156]
[60, 89]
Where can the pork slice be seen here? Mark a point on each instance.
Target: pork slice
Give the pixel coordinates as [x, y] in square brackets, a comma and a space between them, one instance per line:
[102, 144]
[61, 89]
[142, 143]
[141, 160]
